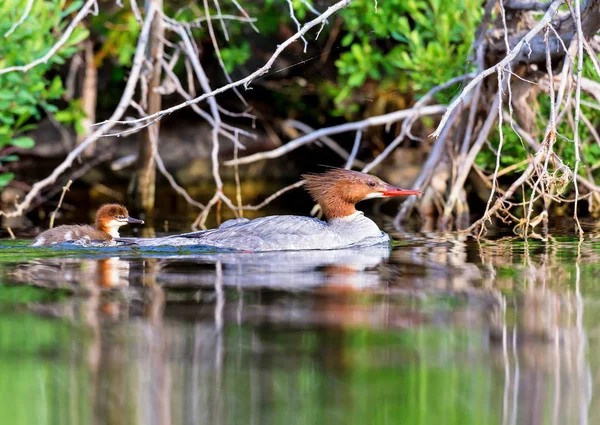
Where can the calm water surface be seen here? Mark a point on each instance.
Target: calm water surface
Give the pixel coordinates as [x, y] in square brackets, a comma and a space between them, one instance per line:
[440, 329]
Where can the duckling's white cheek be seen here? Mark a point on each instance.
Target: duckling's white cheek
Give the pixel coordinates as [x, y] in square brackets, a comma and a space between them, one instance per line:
[115, 224]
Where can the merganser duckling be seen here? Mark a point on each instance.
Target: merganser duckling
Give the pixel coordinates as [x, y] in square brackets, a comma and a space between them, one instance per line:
[108, 220]
[337, 191]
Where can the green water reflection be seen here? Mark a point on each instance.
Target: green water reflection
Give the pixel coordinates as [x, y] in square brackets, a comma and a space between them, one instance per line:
[441, 331]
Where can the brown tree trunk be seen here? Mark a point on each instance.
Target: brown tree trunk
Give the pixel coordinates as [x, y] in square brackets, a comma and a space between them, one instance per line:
[89, 92]
[144, 187]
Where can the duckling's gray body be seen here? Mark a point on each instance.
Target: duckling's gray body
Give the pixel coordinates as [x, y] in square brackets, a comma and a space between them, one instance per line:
[68, 233]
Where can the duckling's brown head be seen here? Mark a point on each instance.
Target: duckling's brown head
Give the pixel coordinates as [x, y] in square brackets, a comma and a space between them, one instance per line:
[338, 190]
[112, 216]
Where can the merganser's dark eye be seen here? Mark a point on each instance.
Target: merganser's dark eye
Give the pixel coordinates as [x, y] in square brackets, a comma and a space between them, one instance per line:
[372, 184]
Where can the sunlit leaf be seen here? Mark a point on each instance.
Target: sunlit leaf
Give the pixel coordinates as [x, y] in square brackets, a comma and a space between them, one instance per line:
[23, 142]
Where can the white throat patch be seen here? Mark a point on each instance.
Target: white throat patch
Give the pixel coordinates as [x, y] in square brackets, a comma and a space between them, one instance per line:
[350, 217]
[113, 227]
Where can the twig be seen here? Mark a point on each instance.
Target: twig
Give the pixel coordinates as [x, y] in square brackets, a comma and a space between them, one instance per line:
[21, 19]
[243, 12]
[61, 41]
[592, 56]
[238, 187]
[355, 147]
[298, 26]
[65, 189]
[218, 7]
[511, 190]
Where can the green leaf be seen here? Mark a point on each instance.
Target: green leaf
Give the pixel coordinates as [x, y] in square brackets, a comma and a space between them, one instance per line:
[7, 95]
[5, 178]
[64, 116]
[78, 36]
[23, 142]
[357, 79]
[55, 89]
[76, 5]
[347, 40]
[9, 158]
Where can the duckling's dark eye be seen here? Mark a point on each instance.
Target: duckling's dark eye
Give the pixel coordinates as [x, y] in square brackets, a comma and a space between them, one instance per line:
[121, 217]
[372, 184]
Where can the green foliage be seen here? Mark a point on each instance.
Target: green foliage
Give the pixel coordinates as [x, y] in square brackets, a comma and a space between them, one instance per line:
[23, 96]
[235, 56]
[408, 45]
[120, 32]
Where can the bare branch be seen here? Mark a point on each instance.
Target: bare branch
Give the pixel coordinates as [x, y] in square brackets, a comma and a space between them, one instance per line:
[328, 141]
[21, 19]
[342, 128]
[65, 189]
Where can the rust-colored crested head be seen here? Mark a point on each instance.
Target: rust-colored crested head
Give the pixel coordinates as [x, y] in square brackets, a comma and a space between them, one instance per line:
[108, 213]
[112, 216]
[338, 190]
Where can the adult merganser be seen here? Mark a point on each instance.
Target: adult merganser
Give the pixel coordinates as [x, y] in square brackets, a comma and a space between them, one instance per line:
[108, 220]
[337, 191]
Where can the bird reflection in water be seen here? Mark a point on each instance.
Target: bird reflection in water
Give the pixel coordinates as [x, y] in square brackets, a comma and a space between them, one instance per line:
[219, 338]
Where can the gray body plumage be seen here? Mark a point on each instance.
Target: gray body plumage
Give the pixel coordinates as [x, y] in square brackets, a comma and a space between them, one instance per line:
[68, 233]
[279, 233]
